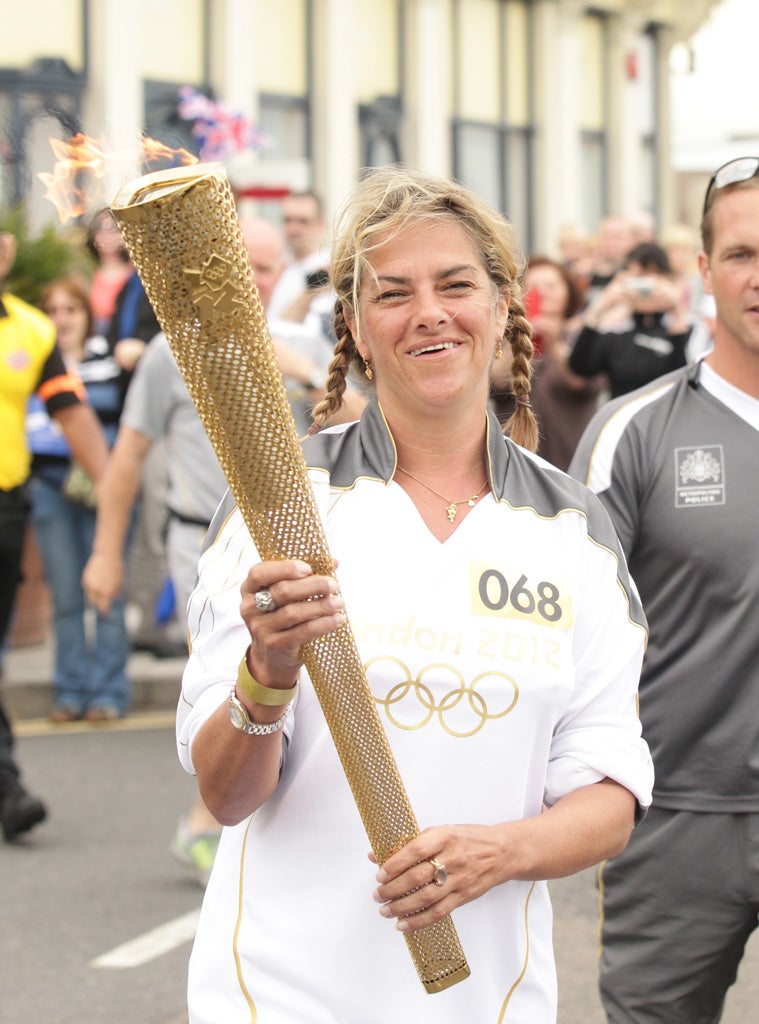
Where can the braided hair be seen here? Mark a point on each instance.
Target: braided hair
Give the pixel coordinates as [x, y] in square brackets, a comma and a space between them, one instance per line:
[385, 202]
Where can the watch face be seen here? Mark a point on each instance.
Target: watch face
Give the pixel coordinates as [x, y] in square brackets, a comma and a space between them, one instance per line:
[237, 716]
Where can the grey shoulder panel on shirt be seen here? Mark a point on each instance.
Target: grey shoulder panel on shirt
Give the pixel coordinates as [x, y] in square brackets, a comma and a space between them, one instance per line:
[641, 409]
[355, 450]
[531, 483]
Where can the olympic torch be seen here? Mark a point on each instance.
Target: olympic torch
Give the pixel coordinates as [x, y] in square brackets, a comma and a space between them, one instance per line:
[182, 232]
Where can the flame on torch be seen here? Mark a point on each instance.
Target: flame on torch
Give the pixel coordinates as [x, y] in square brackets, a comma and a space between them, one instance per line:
[75, 156]
[81, 159]
[153, 151]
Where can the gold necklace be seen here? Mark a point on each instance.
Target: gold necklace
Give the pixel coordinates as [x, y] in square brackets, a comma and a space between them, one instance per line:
[453, 504]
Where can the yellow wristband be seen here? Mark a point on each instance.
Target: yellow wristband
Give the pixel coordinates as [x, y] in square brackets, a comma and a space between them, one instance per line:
[253, 690]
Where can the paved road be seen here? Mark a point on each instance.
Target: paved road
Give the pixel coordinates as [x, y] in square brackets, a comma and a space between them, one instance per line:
[99, 876]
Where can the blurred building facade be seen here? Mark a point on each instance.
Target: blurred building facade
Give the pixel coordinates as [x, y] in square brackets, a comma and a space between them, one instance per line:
[713, 99]
[555, 110]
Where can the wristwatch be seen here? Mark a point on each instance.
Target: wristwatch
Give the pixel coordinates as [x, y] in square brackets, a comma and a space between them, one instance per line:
[240, 719]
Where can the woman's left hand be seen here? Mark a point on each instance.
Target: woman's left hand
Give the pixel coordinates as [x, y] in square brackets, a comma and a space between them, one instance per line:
[468, 861]
[583, 827]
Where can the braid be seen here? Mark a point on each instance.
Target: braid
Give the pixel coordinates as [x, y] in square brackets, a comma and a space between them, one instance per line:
[344, 353]
[521, 426]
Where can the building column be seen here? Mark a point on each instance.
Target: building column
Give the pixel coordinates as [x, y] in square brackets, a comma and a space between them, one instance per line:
[233, 79]
[558, 191]
[334, 109]
[622, 118]
[427, 86]
[233, 66]
[665, 173]
[115, 93]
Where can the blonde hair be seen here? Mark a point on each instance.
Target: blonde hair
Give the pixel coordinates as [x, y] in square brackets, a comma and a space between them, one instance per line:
[385, 202]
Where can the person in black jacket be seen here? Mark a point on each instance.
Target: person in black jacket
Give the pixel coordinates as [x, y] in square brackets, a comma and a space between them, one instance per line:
[637, 328]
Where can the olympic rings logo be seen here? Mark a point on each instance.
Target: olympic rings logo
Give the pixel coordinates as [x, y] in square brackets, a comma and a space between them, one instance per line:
[462, 711]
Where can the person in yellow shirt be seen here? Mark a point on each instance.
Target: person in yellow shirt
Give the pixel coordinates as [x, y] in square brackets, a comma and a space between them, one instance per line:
[30, 362]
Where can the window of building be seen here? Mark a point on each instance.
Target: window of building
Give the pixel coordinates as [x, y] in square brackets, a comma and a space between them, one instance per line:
[43, 74]
[380, 46]
[166, 69]
[161, 118]
[493, 98]
[40, 102]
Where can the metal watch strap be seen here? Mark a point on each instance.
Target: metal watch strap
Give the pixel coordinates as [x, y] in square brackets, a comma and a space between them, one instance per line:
[241, 720]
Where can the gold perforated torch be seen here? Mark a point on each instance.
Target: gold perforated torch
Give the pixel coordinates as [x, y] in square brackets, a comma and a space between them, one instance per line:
[182, 232]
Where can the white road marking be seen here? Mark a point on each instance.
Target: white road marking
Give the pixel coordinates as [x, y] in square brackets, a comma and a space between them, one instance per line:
[152, 944]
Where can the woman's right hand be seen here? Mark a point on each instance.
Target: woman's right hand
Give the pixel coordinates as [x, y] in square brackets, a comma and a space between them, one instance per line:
[306, 606]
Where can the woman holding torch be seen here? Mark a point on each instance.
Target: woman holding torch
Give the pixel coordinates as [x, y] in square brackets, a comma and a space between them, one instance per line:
[501, 637]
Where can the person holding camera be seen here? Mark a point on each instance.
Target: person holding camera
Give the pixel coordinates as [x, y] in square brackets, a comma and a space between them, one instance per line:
[637, 328]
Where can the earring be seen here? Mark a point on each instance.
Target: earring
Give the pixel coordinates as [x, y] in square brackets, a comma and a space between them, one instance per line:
[498, 349]
[368, 369]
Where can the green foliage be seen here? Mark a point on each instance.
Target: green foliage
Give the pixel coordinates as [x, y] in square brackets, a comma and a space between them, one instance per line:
[42, 258]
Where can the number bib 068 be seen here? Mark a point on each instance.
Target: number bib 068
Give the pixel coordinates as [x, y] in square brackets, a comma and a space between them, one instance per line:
[513, 595]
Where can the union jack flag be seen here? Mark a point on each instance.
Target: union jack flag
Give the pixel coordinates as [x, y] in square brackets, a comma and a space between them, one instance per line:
[220, 130]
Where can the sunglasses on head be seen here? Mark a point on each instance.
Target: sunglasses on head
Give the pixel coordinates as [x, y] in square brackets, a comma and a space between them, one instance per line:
[742, 169]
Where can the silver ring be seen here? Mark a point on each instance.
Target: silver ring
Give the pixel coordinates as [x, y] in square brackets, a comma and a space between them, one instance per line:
[264, 601]
[440, 875]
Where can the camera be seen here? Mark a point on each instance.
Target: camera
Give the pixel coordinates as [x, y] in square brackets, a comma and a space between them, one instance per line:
[641, 286]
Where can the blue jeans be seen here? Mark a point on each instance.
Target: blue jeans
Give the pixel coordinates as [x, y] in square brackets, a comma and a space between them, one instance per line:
[85, 674]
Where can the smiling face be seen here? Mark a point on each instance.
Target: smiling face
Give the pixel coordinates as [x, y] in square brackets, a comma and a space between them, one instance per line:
[730, 272]
[429, 318]
[71, 319]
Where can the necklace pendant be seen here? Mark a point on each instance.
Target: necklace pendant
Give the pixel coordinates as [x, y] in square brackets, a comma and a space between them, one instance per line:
[452, 510]
[472, 501]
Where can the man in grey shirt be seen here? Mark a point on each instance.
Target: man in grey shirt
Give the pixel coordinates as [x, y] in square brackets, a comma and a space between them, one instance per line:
[676, 465]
